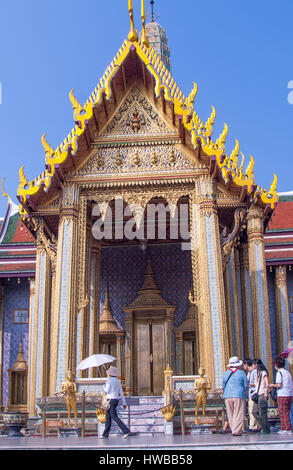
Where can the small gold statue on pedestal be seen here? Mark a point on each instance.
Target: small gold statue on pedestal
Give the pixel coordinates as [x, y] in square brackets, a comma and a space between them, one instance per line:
[201, 386]
[68, 388]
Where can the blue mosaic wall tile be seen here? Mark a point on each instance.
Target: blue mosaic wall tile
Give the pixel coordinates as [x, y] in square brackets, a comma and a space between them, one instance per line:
[16, 296]
[124, 268]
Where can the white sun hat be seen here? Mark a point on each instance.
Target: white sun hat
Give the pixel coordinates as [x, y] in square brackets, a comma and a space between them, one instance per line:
[235, 362]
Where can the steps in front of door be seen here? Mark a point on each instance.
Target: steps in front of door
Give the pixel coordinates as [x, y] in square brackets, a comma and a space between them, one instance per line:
[145, 416]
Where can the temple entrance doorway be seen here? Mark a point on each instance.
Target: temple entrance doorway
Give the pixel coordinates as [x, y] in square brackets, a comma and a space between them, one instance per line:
[150, 363]
[149, 340]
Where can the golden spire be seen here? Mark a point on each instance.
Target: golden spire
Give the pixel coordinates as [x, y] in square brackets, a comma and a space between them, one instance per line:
[132, 36]
[144, 38]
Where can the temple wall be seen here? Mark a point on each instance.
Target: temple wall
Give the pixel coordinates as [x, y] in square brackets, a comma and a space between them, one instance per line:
[16, 296]
[123, 268]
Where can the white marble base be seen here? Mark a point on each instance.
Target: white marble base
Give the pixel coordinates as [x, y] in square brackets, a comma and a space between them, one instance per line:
[168, 428]
[101, 428]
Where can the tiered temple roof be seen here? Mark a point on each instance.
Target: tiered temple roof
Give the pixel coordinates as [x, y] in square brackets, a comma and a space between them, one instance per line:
[17, 245]
[136, 61]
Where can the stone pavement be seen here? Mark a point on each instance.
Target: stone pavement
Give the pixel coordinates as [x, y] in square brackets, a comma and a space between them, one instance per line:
[149, 443]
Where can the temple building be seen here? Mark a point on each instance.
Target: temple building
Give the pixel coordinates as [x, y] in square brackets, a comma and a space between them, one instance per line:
[143, 239]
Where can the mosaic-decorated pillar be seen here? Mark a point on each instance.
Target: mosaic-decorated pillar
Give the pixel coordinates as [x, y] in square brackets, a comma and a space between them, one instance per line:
[128, 352]
[234, 316]
[63, 354]
[214, 338]
[179, 353]
[246, 302]
[282, 309]
[259, 288]
[38, 362]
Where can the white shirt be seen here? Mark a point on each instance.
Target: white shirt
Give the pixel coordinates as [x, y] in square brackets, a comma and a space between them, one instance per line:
[114, 390]
[252, 378]
[285, 379]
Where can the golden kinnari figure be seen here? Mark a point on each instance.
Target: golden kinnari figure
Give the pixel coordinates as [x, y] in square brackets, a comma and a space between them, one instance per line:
[201, 386]
[68, 388]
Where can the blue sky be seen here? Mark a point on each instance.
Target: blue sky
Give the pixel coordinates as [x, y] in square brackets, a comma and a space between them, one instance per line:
[239, 54]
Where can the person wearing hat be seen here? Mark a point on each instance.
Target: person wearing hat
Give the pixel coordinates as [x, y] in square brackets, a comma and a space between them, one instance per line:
[114, 392]
[235, 387]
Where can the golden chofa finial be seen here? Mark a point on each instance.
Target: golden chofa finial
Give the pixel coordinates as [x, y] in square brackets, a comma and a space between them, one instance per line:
[22, 178]
[3, 190]
[132, 36]
[49, 151]
[144, 38]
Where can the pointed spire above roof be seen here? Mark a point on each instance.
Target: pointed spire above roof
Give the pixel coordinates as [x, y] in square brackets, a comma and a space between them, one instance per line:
[107, 322]
[158, 40]
[20, 362]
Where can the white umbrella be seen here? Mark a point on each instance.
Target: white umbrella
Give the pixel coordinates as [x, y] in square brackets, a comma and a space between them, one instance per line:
[95, 360]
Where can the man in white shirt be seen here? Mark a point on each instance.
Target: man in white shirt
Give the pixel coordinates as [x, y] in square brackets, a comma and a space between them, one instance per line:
[114, 392]
[284, 385]
[253, 424]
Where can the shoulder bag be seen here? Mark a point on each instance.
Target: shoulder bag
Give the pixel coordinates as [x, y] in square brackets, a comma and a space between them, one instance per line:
[255, 396]
[274, 391]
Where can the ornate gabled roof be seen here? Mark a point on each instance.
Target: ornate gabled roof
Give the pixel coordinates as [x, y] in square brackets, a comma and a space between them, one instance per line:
[193, 131]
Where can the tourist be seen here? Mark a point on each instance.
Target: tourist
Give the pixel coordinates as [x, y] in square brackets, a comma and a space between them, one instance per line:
[284, 386]
[254, 427]
[235, 386]
[260, 408]
[114, 391]
[247, 367]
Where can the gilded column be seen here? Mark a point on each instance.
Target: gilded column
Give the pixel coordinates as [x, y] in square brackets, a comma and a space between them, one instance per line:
[120, 356]
[259, 288]
[66, 298]
[213, 329]
[128, 352]
[94, 285]
[282, 309]
[238, 300]
[170, 339]
[246, 302]
[233, 310]
[82, 270]
[38, 373]
[179, 353]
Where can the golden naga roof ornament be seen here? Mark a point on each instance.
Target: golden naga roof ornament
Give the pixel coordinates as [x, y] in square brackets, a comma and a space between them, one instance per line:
[250, 169]
[132, 35]
[77, 107]
[273, 188]
[191, 97]
[209, 124]
[23, 182]
[49, 151]
[144, 38]
[234, 155]
[221, 141]
[3, 190]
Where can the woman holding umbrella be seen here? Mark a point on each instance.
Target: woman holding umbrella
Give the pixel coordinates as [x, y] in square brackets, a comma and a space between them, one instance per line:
[114, 391]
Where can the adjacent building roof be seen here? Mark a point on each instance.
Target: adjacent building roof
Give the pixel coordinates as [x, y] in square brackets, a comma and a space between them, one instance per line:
[279, 235]
[17, 246]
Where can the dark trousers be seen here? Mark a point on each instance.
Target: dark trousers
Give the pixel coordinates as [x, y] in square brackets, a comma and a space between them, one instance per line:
[112, 415]
[260, 412]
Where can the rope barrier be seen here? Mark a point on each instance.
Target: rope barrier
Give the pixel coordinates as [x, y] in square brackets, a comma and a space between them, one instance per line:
[143, 412]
